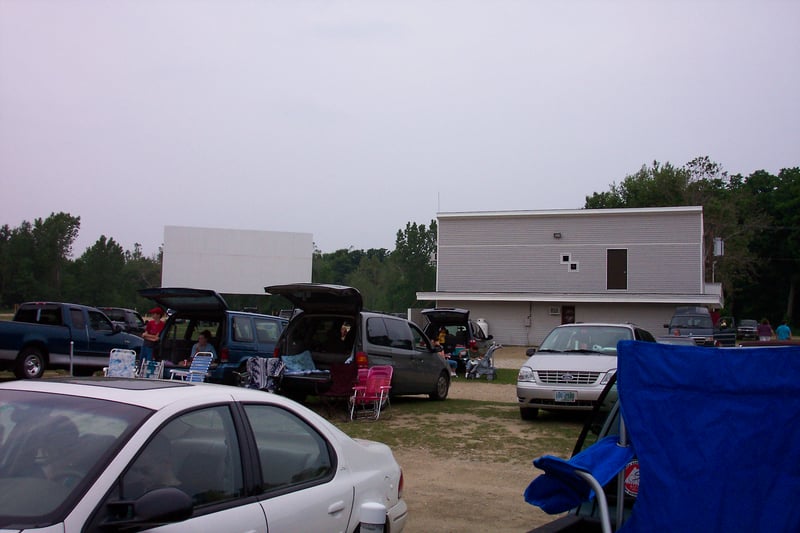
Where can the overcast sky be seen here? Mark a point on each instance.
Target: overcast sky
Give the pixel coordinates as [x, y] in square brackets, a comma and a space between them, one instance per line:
[349, 119]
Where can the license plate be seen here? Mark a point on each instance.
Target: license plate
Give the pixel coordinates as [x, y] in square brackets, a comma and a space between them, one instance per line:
[565, 396]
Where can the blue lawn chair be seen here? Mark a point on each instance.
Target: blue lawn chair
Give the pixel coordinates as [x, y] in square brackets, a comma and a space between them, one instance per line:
[198, 368]
[715, 433]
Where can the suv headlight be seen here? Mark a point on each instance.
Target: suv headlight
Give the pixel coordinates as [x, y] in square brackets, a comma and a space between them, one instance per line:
[608, 376]
[525, 374]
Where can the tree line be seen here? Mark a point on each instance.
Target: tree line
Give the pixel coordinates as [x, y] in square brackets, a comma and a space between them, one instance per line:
[36, 264]
[756, 216]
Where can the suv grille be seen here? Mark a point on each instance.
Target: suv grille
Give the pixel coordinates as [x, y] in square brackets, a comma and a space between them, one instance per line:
[568, 377]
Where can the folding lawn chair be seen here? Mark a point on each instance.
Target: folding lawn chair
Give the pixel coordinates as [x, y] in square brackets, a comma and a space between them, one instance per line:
[368, 399]
[198, 368]
[151, 369]
[715, 433]
[121, 364]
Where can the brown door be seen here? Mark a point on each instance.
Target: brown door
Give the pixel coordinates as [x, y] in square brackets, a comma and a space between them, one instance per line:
[617, 269]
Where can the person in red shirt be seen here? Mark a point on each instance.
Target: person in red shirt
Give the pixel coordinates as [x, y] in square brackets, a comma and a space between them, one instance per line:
[152, 331]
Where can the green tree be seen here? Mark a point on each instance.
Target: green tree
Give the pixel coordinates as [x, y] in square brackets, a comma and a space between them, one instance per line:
[100, 271]
[413, 258]
[53, 238]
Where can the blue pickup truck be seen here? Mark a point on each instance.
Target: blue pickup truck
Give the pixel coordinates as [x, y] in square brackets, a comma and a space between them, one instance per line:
[42, 336]
[235, 335]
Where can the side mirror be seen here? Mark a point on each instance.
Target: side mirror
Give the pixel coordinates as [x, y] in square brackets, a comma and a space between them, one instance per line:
[156, 507]
[530, 351]
[489, 337]
[118, 328]
[666, 326]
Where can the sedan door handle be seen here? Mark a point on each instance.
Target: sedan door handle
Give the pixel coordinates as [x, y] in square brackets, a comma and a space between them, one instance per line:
[337, 507]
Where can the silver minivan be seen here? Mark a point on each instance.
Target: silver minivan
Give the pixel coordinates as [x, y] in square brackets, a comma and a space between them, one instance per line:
[572, 366]
[340, 337]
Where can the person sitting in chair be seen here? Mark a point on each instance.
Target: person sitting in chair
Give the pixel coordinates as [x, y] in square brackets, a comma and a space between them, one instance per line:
[203, 344]
[437, 347]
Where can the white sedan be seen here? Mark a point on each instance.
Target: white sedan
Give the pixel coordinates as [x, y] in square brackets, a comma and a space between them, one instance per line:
[103, 454]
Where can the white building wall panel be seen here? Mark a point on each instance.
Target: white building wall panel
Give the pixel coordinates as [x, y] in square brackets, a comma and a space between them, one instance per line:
[520, 254]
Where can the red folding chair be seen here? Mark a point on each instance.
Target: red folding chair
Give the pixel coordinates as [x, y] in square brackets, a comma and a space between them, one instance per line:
[370, 398]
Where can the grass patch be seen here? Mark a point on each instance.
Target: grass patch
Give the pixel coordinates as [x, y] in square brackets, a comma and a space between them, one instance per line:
[489, 431]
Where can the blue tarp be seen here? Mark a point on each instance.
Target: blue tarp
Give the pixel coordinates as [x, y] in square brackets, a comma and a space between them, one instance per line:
[717, 435]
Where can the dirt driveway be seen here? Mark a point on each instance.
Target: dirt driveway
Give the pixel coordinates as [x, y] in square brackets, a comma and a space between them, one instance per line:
[473, 491]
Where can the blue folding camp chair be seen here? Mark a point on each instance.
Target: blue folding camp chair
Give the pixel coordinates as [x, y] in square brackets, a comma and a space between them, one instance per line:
[198, 368]
[715, 433]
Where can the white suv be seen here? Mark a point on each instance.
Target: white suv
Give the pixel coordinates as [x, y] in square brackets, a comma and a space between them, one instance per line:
[571, 367]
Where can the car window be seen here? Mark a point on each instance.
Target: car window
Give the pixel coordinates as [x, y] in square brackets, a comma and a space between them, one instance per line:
[399, 334]
[76, 315]
[99, 322]
[421, 342]
[197, 452]
[52, 446]
[377, 333]
[591, 339]
[477, 331]
[243, 329]
[644, 335]
[291, 453]
[267, 330]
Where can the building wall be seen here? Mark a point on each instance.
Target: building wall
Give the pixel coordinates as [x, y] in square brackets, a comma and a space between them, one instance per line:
[509, 322]
[518, 253]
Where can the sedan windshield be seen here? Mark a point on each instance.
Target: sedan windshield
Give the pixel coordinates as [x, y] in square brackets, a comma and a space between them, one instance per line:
[585, 339]
[51, 448]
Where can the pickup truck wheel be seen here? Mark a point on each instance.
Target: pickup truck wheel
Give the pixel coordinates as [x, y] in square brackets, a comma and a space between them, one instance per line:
[528, 413]
[442, 387]
[30, 364]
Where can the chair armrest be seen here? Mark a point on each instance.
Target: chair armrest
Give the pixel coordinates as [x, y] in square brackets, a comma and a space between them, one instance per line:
[563, 487]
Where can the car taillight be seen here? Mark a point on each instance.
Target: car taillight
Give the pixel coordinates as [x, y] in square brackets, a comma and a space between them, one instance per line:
[400, 485]
[473, 344]
[362, 361]
[276, 352]
[224, 354]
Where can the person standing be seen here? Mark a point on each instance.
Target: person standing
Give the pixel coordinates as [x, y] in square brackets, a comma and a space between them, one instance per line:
[764, 330]
[152, 332]
[782, 332]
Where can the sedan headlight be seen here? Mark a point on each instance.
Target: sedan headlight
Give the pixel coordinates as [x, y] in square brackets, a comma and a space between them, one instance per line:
[525, 374]
[608, 376]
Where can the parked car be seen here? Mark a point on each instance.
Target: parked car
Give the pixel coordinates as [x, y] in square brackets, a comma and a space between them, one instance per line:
[462, 333]
[102, 454]
[747, 329]
[335, 330]
[55, 335]
[694, 322]
[571, 367]
[235, 335]
[128, 319]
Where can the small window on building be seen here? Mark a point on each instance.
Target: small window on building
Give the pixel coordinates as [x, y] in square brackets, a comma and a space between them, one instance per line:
[617, 269]
[573, 267]
[565, 258]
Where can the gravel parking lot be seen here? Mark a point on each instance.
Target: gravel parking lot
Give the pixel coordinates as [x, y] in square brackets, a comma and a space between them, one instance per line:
[474, 491]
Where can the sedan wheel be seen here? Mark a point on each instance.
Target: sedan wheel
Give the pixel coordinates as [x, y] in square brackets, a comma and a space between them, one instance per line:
[442, 387]
[526, 413]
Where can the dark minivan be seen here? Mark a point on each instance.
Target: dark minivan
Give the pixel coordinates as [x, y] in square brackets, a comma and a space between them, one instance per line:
[338, 333]
[236, 335]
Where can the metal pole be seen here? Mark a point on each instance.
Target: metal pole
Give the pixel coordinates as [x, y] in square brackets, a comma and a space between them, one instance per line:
[71, 354]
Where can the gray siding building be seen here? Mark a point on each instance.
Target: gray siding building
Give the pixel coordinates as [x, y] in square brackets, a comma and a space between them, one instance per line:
[525, 272]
